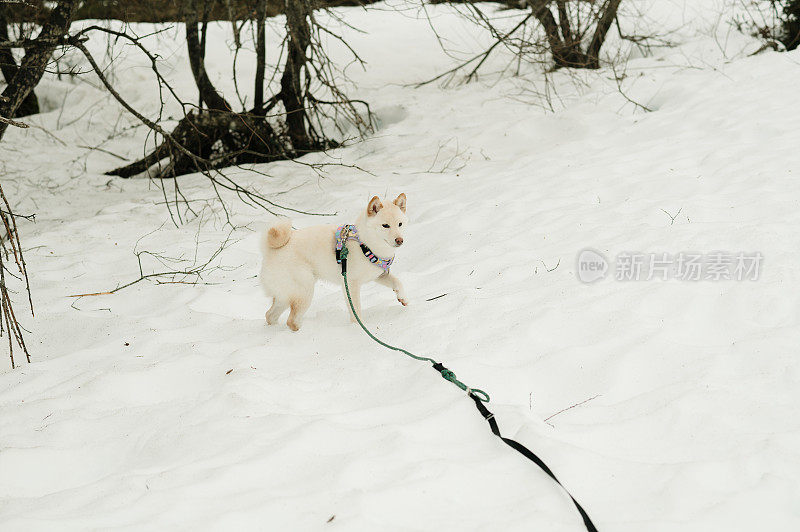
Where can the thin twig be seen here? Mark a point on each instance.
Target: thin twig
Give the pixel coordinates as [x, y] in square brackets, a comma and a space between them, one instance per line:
[569, 408]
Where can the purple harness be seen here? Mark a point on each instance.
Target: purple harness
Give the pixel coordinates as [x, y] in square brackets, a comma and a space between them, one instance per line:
[349, 232]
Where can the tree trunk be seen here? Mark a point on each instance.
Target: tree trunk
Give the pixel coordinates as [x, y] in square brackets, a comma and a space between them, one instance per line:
[599, 37]
[566, 50]
[220, 139]
[563, 21]
[9, 69]
[261, 53]
[33, 64]
[203, 37]
[298, 35]
[208, 93]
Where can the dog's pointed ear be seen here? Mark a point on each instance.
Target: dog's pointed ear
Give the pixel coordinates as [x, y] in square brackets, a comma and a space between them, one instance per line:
[374, 206]
[400, 201]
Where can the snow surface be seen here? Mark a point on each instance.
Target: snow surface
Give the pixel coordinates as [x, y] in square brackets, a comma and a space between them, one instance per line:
[130, 417]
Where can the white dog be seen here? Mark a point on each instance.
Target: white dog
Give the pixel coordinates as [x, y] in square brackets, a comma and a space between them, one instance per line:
[295, 259]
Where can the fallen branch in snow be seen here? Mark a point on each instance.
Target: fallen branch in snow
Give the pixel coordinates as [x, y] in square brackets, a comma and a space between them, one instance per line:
[553, 268]
[569, 408]
[618, 80]
[190, 275]
[97, 148]
[672, 218]
[447, 166]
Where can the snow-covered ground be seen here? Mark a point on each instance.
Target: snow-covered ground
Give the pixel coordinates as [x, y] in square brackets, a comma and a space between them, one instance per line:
[173, 406]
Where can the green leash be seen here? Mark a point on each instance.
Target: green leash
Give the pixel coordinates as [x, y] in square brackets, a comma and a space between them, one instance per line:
[446, 373]
[478, 396]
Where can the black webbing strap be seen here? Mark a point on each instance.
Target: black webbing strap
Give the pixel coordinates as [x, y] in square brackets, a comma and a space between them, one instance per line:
[524, 451]
[372, 257]
[341, 254]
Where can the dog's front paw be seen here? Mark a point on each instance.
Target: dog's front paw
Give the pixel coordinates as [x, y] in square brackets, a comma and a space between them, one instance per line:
[402, 299]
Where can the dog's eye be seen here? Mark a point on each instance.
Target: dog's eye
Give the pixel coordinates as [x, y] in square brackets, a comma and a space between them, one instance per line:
[386, 226]
[400, 224]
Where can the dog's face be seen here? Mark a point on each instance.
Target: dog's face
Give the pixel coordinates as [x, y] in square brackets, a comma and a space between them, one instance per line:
[387, 221]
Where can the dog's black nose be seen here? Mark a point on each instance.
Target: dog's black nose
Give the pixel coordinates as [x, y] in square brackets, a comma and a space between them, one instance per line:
[398, 241]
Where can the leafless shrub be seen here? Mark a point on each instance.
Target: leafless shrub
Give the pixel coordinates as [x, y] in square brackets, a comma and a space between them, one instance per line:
[775, 22]
[12, 266]
[304, 115]
[570, 32]
[177, 270]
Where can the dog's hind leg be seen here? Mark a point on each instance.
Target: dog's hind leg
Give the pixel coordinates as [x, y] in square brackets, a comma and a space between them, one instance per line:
[275, 311]
[300, 296]
[298, 307]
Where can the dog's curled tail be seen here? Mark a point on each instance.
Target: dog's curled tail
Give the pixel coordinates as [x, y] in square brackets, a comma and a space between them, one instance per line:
[279, 234]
